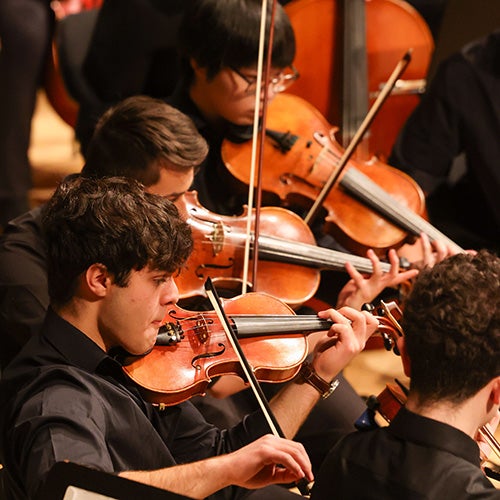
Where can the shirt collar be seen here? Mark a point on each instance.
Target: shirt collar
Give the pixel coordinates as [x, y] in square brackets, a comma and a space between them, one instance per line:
[428, 432]
[72, 343]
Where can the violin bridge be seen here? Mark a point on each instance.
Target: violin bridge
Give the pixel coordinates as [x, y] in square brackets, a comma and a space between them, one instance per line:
[217, 238]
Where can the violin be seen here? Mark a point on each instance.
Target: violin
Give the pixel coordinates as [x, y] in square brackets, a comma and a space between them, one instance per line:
[286, 248]
[192, 347]
[300, 153]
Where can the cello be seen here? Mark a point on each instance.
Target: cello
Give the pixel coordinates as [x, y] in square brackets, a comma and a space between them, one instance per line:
[343, 70]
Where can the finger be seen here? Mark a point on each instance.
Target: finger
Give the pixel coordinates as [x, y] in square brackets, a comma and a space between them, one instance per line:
[291, 455]
[355, 275]
[394, 261]
[426, 249]
[441, 250]
[361, 321]
[377, 268]
[336, 315]
[402, 277]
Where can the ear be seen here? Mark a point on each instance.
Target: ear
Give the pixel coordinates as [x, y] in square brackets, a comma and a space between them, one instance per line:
[97, 280]
[495, 391]
[404, 356]
[198, 70]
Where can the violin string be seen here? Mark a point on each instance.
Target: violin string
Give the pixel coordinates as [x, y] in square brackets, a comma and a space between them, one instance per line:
[331, 258]
[394, 207]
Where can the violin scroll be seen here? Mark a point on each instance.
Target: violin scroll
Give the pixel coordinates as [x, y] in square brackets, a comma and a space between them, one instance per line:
[388, 314]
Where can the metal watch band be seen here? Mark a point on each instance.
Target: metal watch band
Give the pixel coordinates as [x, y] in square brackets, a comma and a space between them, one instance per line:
[309, 376]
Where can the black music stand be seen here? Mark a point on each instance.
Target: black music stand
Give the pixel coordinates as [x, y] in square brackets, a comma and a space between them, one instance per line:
[66, 474]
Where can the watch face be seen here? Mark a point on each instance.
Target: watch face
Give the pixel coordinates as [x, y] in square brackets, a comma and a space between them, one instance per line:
[334, 384]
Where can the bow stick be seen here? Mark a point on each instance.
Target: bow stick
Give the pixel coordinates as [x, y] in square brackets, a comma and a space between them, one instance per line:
[248, 371]
[255, 137]
[397, 72]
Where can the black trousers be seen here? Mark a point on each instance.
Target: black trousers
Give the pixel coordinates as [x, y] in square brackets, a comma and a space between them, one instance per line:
[25, 31]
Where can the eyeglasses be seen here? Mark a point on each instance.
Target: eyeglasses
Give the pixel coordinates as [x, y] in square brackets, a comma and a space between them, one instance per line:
[279, 83]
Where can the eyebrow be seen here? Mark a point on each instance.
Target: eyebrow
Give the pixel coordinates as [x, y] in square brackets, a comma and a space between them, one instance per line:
[175, 195]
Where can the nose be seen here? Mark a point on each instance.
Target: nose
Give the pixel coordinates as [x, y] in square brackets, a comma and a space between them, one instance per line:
[271, 94]
[170, 294]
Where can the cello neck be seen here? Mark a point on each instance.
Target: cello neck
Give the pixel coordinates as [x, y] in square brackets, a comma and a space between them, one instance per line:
[354, 69]
[371, 194]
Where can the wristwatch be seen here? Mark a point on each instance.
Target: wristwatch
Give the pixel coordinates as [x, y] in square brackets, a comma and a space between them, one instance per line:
[309, 376]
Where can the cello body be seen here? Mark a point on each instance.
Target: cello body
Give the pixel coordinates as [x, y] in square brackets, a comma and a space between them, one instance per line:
[329, 70]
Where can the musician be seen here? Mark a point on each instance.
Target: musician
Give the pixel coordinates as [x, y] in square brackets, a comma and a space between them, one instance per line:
[450, 145]
[132, 51]
[451, 350]
[112, 252]
[148, 140]
[217, 90]
[218, 81]
[142, 138]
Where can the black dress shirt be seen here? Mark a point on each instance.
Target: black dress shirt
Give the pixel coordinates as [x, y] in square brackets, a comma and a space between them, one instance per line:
[24, 296]
[459, 114]
[413, 458]
[63, 398]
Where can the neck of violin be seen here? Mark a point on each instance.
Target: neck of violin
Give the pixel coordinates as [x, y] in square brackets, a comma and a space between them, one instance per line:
[248, 325]
[354, 69]
[277, 249]
[372, 195]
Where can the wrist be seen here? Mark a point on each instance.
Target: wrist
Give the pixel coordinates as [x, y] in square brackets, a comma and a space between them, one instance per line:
[308, 375]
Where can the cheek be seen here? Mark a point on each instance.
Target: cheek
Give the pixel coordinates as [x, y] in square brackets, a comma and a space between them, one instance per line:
[239, 111]
[233, 105]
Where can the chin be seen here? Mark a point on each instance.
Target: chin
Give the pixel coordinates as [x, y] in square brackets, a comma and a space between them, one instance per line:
[145, 347]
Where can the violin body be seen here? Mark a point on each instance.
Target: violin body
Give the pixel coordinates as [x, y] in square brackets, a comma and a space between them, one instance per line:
[192, 347]
[297, 165]
[218, 253]
[175, 373]
[389, 28]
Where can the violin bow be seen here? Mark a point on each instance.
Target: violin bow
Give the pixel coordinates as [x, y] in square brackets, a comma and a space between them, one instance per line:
[247, 370]
[256, 136]
[386, 90]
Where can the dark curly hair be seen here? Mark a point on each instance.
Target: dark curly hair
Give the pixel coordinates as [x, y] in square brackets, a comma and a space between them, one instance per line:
[114, 222]
[451, 322]
[221, 34]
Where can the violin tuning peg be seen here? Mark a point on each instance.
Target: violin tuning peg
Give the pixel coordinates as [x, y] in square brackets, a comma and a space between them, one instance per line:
[367, 306]
[388, 342]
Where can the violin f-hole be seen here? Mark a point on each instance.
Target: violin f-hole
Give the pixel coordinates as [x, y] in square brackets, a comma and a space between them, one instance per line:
[194, 363]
